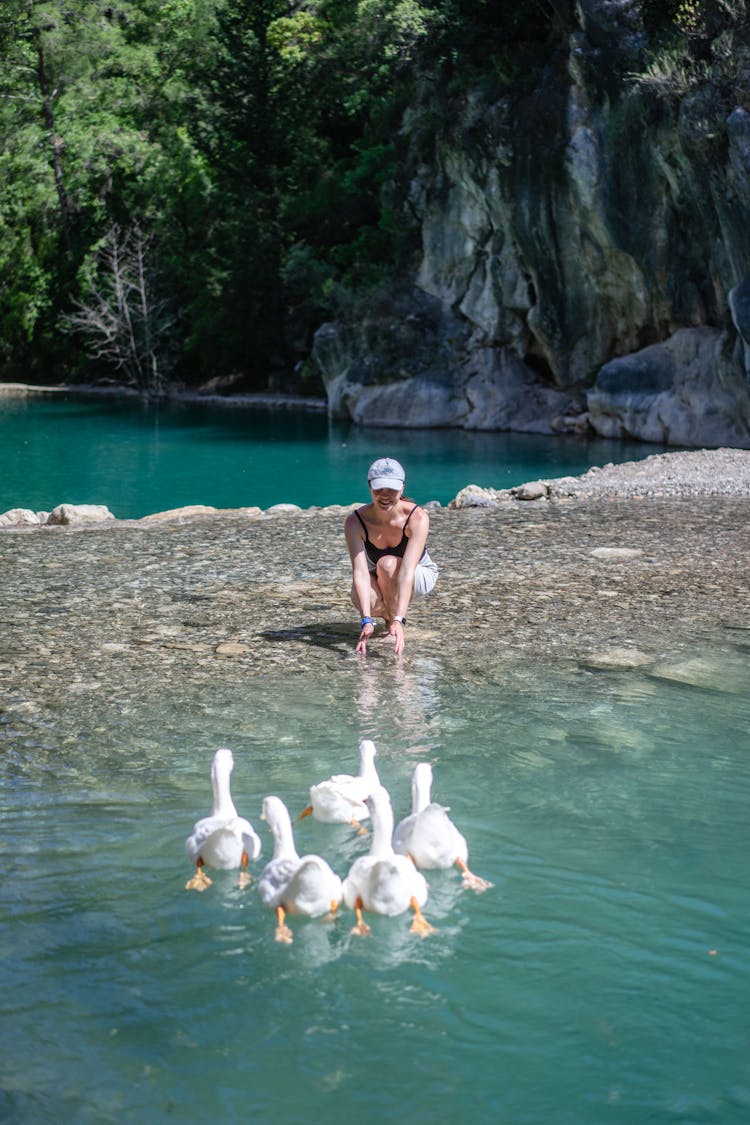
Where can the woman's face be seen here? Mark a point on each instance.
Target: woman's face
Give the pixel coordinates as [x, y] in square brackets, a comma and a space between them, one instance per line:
[385, 498]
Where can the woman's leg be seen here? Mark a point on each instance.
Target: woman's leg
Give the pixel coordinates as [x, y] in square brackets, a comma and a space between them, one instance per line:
[377, 606]
[388, 574]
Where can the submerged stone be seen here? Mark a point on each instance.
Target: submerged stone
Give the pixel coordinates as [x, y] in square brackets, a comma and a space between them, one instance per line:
[699, 672]
[617, 657]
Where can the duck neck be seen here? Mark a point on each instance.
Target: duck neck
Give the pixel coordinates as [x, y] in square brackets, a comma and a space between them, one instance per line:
[223, 803]
[382, 831]
[283, 838]
[367, 768]
[421, 785]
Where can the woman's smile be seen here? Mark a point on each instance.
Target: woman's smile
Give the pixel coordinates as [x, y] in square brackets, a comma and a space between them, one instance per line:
[385, 497]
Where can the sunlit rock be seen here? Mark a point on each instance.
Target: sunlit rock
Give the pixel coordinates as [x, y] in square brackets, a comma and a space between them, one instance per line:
[79, 513]
[20, 517]
[475, 497]
[616, 554]
[179, 513]
[283, 510]
[532, 490]
[230, 648]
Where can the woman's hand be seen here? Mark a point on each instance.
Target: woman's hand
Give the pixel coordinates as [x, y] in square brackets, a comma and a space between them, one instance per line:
[367, 630]
[396, 630]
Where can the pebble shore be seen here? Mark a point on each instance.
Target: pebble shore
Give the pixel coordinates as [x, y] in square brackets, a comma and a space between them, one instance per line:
[645, 567]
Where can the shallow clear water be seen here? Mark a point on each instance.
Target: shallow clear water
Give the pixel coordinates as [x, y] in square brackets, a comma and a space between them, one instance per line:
[139, 459]
[604, 978]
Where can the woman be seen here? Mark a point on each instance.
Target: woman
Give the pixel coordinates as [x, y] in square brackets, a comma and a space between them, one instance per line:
[386, 540]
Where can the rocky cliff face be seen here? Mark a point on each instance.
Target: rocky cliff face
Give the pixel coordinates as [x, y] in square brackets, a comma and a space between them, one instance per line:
[585, 254]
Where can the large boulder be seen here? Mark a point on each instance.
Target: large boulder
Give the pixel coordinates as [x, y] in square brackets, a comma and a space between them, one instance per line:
[21, 517]
[68, 514]
[679, 392]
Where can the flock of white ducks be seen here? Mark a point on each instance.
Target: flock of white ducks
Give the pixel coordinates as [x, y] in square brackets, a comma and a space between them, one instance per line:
[384, 881]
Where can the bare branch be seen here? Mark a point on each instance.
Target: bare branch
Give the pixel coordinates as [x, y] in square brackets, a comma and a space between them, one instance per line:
[121, 321]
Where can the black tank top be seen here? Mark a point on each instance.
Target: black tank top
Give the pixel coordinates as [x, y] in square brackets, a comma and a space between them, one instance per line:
[375, 553]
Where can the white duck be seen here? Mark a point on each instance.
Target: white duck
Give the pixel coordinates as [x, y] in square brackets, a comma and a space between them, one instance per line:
[383, 882]
[429, 835]
[291, 884]
[223, 840]
[341, 799]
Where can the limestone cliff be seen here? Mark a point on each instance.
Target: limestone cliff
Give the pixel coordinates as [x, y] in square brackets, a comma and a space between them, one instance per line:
[585, 251]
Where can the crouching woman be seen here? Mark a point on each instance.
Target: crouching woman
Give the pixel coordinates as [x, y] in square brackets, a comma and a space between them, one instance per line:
[387, 541]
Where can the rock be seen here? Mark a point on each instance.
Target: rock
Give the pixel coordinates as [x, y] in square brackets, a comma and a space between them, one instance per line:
[230, 648]
[677, 392]
[79, 514]
[572, 424]
[616, 554]
[283, 510]
[503, 393]
[739, 304]
[475, 497]
[703, 472]
[698, 672]
[179, 513]
[407, 363]
[533, 490]
[338, 509]
[20, 517]
[416, 402]
[617, 657]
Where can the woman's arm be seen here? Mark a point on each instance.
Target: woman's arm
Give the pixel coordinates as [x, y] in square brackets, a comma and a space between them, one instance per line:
[361, 584]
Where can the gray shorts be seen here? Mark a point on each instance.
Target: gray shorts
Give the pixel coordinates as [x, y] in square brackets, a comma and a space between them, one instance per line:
[425, 576]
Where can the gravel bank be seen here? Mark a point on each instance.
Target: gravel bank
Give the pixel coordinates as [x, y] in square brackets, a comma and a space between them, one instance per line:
[173, 607]
[701, 472]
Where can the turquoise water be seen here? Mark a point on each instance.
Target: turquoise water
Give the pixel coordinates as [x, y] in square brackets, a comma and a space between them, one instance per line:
[604, 978]
[140, 459]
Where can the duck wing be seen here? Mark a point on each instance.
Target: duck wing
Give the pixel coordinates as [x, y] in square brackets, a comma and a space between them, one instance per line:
[274, 880]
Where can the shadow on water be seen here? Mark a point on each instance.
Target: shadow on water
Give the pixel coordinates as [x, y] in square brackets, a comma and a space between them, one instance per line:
[332, 635]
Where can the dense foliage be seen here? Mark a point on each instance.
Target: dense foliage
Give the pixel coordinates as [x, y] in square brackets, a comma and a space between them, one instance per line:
[189, 187]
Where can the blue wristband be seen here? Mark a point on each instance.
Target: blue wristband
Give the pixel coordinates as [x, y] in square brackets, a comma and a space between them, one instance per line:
[366, 621]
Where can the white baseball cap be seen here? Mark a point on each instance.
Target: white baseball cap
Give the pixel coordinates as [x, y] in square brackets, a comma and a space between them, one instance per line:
[386, 473]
